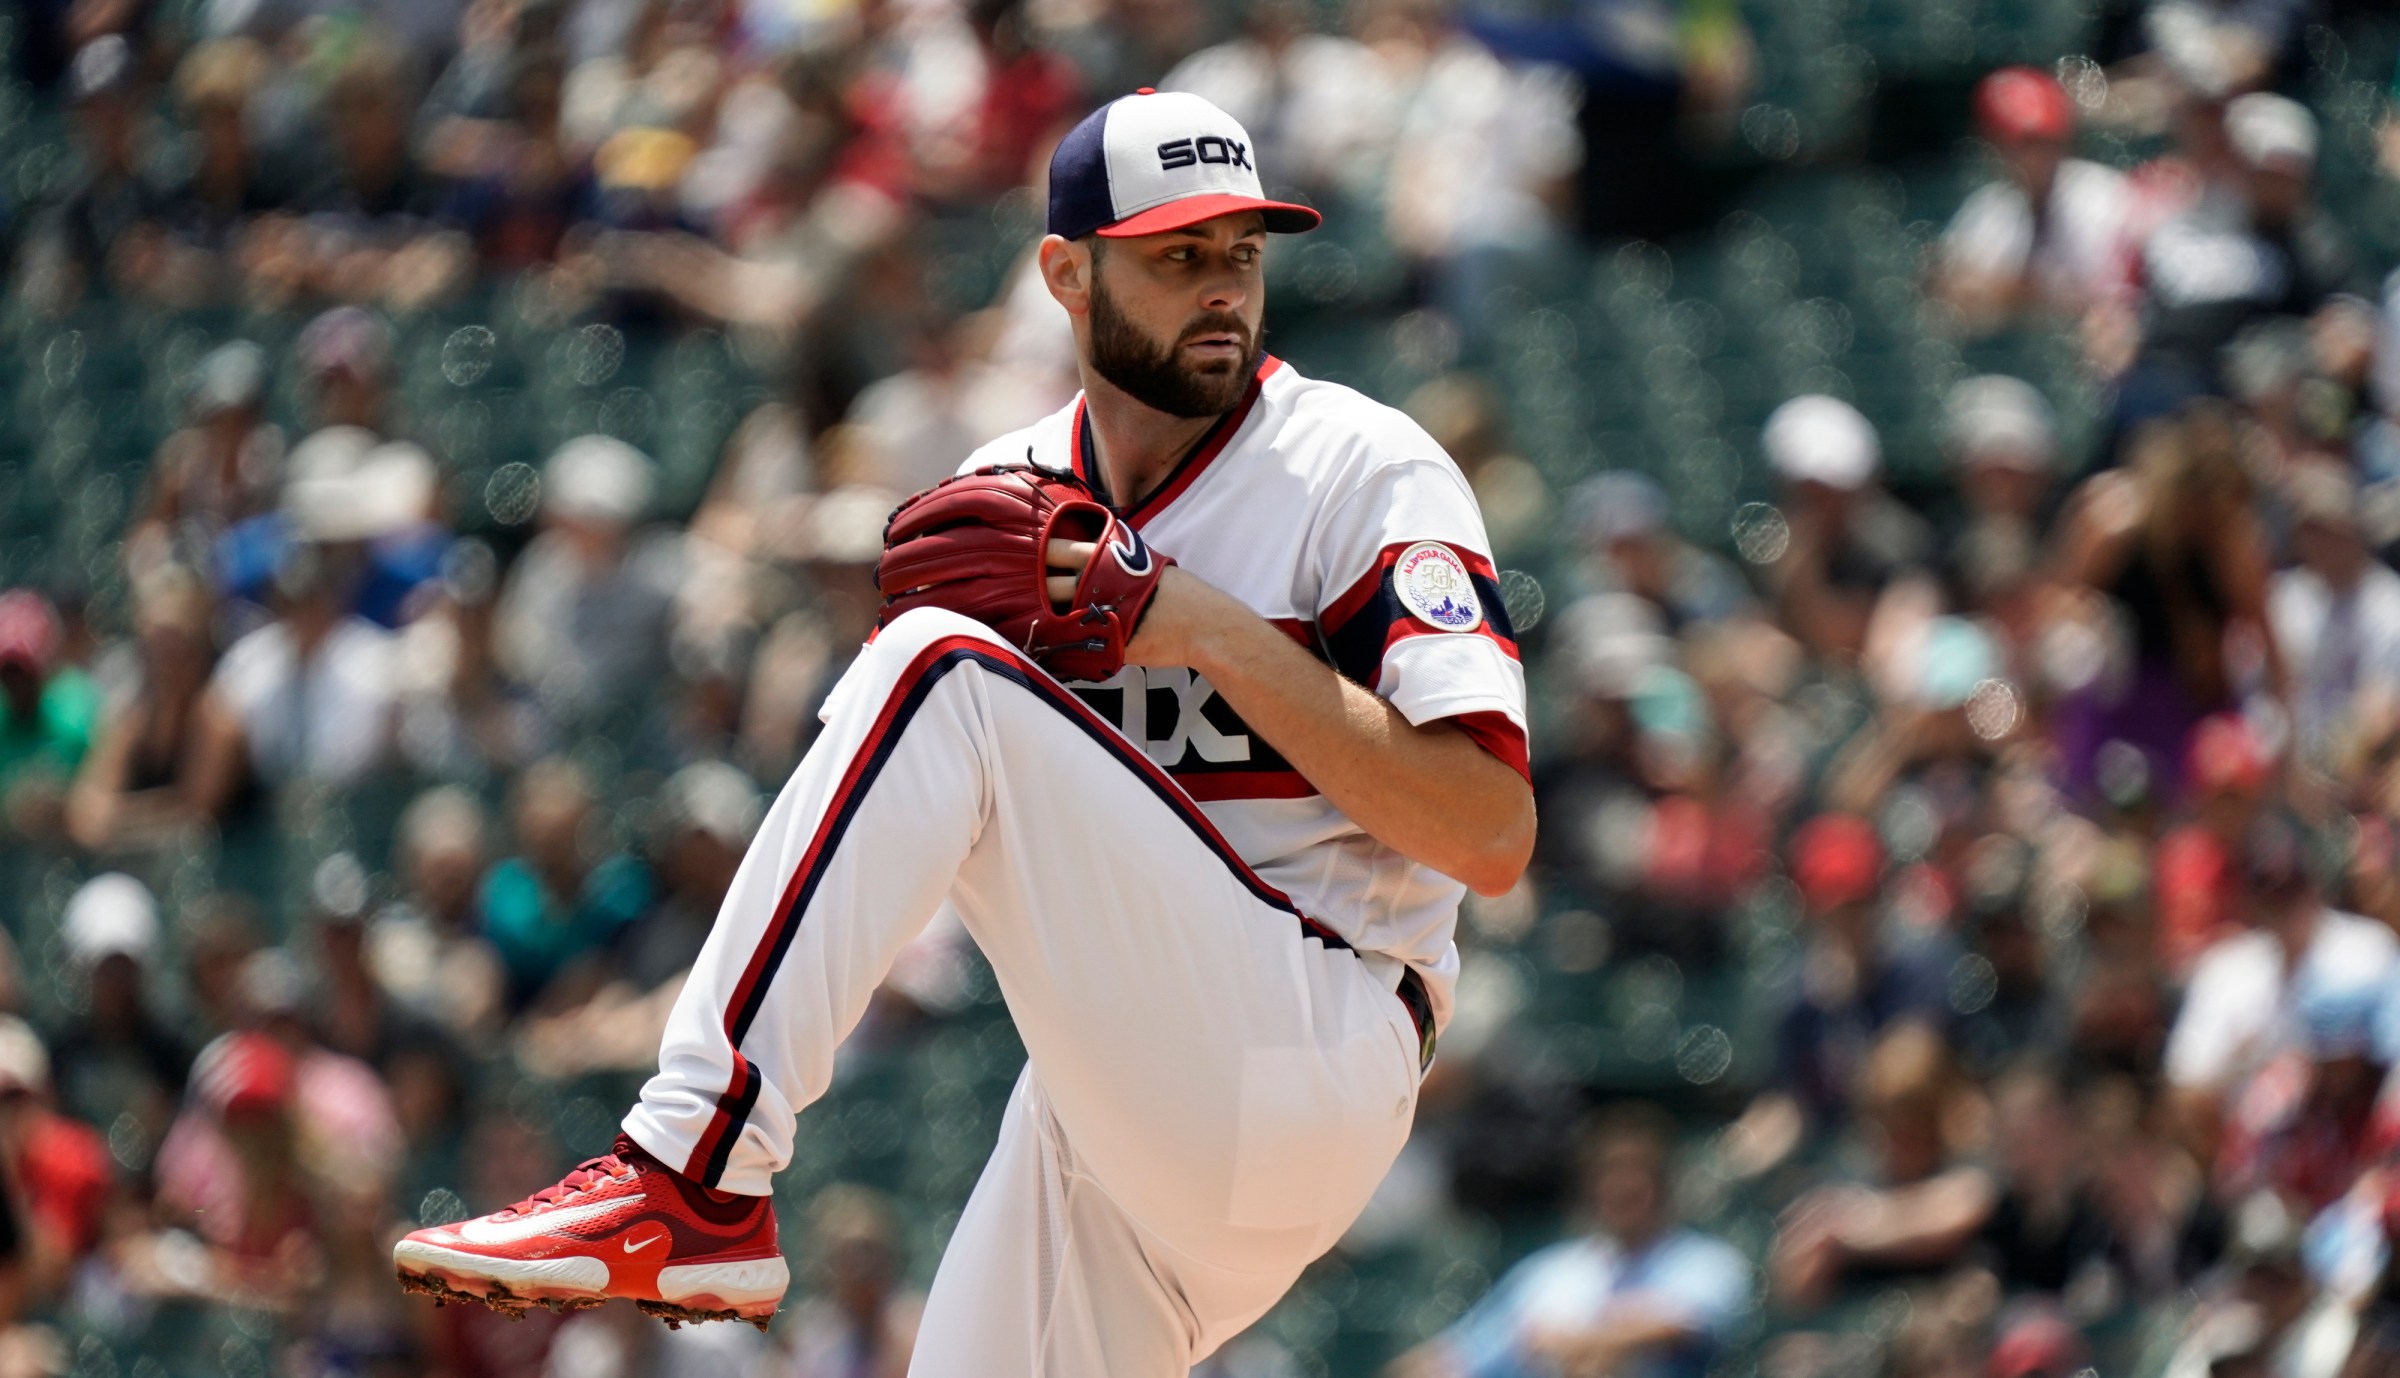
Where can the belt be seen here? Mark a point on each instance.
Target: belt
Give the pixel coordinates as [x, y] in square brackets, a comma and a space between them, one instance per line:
[1411, 991]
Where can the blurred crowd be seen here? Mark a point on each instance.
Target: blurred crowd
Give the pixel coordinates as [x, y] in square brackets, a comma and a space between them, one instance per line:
[1965, 933]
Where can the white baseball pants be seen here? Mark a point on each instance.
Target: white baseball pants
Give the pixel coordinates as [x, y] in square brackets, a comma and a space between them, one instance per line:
[1214, 1088]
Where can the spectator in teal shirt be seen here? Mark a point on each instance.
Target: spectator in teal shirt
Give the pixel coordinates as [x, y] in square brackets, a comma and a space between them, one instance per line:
[1639, 1296]
[550, 911]
[47, 712]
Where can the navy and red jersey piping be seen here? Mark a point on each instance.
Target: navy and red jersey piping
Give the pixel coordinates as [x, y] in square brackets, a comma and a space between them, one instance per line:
[1187, 469]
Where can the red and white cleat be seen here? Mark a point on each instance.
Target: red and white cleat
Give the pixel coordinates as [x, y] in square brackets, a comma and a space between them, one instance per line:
[622, 1225]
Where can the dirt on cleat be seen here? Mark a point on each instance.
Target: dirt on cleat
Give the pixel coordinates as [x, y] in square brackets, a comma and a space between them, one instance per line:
[514, 1307]
[677, 1316]
[499, 1299]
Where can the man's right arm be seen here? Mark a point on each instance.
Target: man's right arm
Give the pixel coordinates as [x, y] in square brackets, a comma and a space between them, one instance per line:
[1428, 791]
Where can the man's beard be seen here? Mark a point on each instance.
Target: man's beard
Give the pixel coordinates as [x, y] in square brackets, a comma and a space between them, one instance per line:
[1151, 375]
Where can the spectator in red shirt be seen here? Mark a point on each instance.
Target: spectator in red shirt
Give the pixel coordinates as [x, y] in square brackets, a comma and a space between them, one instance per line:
[1029, 99]
[58, 1169]
[2304, 1127]
[2198, 886]
[230, 1166]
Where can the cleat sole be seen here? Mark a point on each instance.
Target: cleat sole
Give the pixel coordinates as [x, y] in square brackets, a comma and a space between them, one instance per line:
[532, 1281]
[677, 1317]
[730, 1290]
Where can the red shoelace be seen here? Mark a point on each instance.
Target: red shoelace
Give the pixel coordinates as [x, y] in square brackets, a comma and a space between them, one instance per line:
[586, 1175]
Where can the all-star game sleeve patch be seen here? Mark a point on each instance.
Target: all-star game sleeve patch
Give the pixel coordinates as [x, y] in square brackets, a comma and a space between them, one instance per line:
[1434, 584]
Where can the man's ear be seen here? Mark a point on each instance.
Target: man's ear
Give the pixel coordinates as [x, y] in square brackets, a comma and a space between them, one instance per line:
[1067, 269]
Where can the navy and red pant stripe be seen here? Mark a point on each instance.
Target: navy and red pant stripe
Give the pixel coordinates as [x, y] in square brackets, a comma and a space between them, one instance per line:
[926, 670]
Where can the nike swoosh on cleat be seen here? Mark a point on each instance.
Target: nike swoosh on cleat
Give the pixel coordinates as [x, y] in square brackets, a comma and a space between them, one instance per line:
[636, 1245]
[489, 1231]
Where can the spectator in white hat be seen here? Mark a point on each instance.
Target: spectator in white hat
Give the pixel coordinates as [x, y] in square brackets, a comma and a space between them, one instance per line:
[112, 916]
[2254, 246]
[584, 617]
[2272, 133]
[1993, 421]
[116, 1063]
[1821, 440]
[2002, 436]
[1850, 542]
[310, 694]
[343, 488]
[1620, 517]
[2336, 619]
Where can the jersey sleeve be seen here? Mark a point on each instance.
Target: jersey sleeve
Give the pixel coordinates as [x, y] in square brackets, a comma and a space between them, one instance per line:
[1411, 604]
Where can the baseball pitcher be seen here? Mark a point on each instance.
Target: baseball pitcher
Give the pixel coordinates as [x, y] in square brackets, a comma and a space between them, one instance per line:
[1198, 701]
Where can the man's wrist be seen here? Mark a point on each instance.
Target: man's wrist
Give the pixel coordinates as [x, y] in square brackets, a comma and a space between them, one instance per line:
[1167, 626]
[1192, 623]
[1208, 616]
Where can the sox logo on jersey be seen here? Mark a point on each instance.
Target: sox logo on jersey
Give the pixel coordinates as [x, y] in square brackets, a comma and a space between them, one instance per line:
[1192, 740]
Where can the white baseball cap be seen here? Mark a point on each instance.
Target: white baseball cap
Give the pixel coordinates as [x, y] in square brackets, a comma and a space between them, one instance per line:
[2000, 420]
[1156, 161]
[230, 376]
[1821, 439]
[598, 478]
[24, 1062]
[112, 913]
[2266, 129]
[343, 486]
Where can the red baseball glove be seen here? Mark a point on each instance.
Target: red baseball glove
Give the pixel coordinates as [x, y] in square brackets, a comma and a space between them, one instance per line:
[976, 544]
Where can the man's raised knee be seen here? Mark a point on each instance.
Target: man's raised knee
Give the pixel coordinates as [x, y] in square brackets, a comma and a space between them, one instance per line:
[898, 644]
[891, 658]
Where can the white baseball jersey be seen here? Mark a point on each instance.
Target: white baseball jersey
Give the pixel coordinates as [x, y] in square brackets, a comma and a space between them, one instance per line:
[1205, 959]
[1342, 522]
